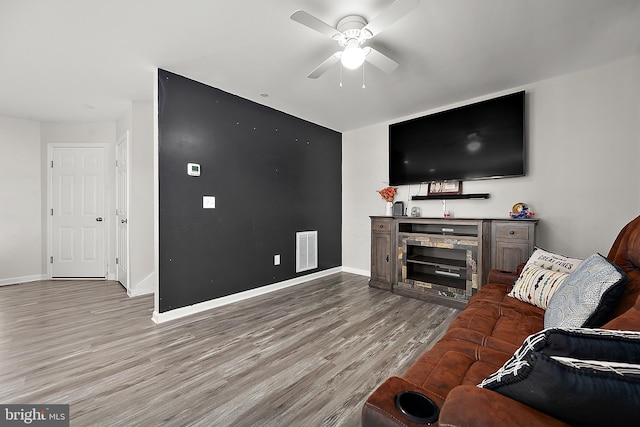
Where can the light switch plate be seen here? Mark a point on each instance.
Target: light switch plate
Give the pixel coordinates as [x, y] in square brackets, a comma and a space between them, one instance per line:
[208, 202]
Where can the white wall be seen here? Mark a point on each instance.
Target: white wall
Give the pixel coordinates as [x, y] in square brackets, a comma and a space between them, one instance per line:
[365, 162]
[23, 193]
[83, 133]
[583, 157]
[23, 174]
[138, 120]
[20, 201]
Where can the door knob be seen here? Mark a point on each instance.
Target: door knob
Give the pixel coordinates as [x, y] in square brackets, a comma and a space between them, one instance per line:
[99, 219]
[123, 221]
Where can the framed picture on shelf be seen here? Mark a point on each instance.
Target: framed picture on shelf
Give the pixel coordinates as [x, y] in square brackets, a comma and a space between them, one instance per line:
[444, 187]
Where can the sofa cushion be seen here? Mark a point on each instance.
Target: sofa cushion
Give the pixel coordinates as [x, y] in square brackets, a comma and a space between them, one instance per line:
[491, 313]
[582, 376]
[627, 321]
[472, 406]
[449, 363]
[478, 341]
[625, 253]
[587, 296]
[543, 273]
[484, 340]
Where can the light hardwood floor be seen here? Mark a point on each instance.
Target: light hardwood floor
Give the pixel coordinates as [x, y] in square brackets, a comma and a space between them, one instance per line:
[308, 355]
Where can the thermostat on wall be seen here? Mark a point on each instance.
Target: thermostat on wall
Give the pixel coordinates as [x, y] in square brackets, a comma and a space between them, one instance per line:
[193, 169]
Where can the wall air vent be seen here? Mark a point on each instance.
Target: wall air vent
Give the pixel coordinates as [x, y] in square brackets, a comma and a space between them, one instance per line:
[306, 250]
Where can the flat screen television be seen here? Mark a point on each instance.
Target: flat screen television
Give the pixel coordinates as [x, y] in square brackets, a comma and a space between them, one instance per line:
[476, 141]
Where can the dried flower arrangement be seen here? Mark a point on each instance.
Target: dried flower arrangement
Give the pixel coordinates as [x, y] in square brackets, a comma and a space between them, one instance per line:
[388, 193]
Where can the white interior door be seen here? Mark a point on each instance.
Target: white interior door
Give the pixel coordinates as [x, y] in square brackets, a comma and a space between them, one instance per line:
[78, 212]
[122, 210]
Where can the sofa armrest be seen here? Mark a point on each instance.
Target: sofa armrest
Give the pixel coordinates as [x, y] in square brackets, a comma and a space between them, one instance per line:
[468, 405]
[380, 408]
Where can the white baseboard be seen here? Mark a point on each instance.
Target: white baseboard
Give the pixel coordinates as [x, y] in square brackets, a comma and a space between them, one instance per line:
[357, 271]
[144, 287]
[208, 305]
[23, 279]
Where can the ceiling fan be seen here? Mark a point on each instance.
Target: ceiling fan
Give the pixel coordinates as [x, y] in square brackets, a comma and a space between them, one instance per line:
[352, 32]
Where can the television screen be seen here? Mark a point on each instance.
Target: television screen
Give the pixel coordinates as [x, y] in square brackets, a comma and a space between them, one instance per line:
[477, 141]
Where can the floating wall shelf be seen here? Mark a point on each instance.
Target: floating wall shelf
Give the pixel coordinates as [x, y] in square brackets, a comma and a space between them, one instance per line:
[452, 196]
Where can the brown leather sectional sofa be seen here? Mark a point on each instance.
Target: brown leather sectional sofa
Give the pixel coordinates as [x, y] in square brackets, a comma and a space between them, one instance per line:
[481, 339]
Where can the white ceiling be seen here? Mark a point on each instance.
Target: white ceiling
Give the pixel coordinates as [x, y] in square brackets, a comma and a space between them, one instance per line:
[86, 60]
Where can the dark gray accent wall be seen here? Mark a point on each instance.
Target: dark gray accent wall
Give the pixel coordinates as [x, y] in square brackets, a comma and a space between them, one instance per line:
[272, 175]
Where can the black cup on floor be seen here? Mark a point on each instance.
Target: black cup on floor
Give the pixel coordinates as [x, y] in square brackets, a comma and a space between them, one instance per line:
[417, 407]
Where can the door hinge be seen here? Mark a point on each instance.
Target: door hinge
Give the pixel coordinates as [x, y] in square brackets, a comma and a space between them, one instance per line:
[52, 164]
[51, 212]
[116, 163]
[51, 260]
[116, 261]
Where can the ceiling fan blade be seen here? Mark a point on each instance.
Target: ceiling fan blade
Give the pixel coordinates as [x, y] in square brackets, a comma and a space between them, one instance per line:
[397, 10]
[322, 68]
[302, 17]
[380, 60]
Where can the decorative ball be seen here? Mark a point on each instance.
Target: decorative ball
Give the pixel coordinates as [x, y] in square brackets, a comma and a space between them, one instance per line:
[519, 207]
[520, 210]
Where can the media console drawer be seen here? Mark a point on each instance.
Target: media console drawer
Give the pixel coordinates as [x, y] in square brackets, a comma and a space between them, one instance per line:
[511, 231]
[381, 224]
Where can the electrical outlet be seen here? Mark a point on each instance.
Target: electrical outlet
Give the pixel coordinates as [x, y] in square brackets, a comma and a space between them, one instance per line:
[276, 260]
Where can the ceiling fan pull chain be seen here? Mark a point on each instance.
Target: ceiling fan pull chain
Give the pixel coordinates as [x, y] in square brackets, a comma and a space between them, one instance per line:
[341, 75]
[363, 86]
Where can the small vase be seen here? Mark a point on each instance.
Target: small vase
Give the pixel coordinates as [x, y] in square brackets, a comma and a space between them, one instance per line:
[389, 209]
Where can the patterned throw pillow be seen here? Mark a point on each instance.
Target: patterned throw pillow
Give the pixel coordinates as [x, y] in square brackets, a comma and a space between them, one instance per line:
[554, 262]
[587, 296]
[536, 285]
[543, 273]
[586, 377]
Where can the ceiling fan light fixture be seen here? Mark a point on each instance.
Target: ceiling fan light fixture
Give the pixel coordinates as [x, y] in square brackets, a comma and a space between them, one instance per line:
[352, 32]
[352, 57]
